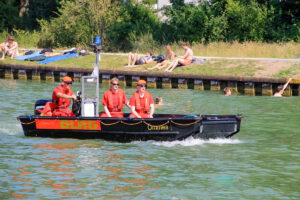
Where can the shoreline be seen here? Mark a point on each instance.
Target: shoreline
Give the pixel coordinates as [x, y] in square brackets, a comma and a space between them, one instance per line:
[245, 85]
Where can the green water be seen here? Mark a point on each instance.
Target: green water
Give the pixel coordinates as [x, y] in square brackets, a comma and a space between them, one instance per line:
[261, 162]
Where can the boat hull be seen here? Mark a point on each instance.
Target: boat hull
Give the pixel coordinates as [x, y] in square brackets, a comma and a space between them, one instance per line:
[163, 127]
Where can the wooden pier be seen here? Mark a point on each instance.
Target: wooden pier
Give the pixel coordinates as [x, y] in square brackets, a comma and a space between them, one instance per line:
[251, 86]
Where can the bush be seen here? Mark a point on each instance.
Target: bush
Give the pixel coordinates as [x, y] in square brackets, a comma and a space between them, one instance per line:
[135, 21]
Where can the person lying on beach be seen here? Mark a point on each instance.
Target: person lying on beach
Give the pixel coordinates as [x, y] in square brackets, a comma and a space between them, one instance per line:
[184, 60]
[280, 89]
[9, 48]
[135, 59]
[169, 57]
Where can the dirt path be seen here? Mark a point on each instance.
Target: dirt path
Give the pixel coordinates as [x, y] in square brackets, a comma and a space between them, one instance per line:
[271, 68]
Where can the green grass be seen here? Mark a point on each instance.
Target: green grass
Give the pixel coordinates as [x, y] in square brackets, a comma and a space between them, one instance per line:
[290, 72]
[210, 67]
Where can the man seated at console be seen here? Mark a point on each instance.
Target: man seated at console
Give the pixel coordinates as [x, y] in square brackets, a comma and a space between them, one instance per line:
[61, 100]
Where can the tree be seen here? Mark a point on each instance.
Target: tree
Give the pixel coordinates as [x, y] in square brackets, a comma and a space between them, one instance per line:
[33, 10]
[78, 22]
[8, 15]
[246, 21]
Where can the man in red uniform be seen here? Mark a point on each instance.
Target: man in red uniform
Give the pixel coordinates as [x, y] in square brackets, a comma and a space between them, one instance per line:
[141, 102]
[60, 100]
[113, 100]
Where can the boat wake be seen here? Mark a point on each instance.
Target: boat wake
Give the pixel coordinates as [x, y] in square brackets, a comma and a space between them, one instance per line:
[10, 128]
[198, 142]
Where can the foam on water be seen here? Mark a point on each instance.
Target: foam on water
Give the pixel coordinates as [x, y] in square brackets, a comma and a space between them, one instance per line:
[194, 142]
[10, 129]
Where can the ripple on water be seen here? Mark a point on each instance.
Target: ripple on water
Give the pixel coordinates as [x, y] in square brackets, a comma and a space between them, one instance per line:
[260, 162]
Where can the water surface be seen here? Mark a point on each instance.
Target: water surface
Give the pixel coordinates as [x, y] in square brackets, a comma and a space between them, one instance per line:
[261, 162]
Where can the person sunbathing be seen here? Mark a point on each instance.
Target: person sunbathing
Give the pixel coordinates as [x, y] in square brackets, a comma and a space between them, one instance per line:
[135, 59]
[169, 57]
[9, 48]
[184, 60]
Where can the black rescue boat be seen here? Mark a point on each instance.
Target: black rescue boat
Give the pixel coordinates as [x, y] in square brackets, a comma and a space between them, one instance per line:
[163, 127]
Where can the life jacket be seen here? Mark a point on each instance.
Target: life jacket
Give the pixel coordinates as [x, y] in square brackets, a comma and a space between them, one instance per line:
[111, 103]
[138, 102]
[61, 102]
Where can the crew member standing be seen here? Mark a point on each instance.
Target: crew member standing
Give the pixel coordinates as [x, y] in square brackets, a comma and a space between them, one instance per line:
[113, 100]
[61, 100]
[141, 102]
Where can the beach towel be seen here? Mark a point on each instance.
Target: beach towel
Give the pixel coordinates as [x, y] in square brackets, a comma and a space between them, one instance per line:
[194, 61]
[203, 60]
[36, 58]
[28, 56]
[58, 58]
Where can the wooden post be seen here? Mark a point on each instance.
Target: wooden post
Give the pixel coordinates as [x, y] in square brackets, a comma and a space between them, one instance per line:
[266, 89]
[151, 82]
[106, 79]
[36, 75]
[233, 86]
[134, 79]
[50, 76]
[2, 73]
[77, 76]
[22, 74]
[166, 83]
[288, 91]
[215, 85]
[249, 89]
[182, 83]
[62, 75]
[198, 84]
[9, 74]
[122, 81]
[297, 89]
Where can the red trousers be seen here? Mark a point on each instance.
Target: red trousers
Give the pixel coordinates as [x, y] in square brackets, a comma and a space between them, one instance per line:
[51, 109]
[62, 112]
[142, 114]
[113, 114]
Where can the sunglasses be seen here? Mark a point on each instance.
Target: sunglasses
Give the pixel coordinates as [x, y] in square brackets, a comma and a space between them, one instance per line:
[115, 83]
[68, 82]
[141, 85]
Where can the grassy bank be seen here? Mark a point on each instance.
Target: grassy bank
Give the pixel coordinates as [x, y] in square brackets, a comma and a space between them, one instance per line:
[27, 39]
[210, 67]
